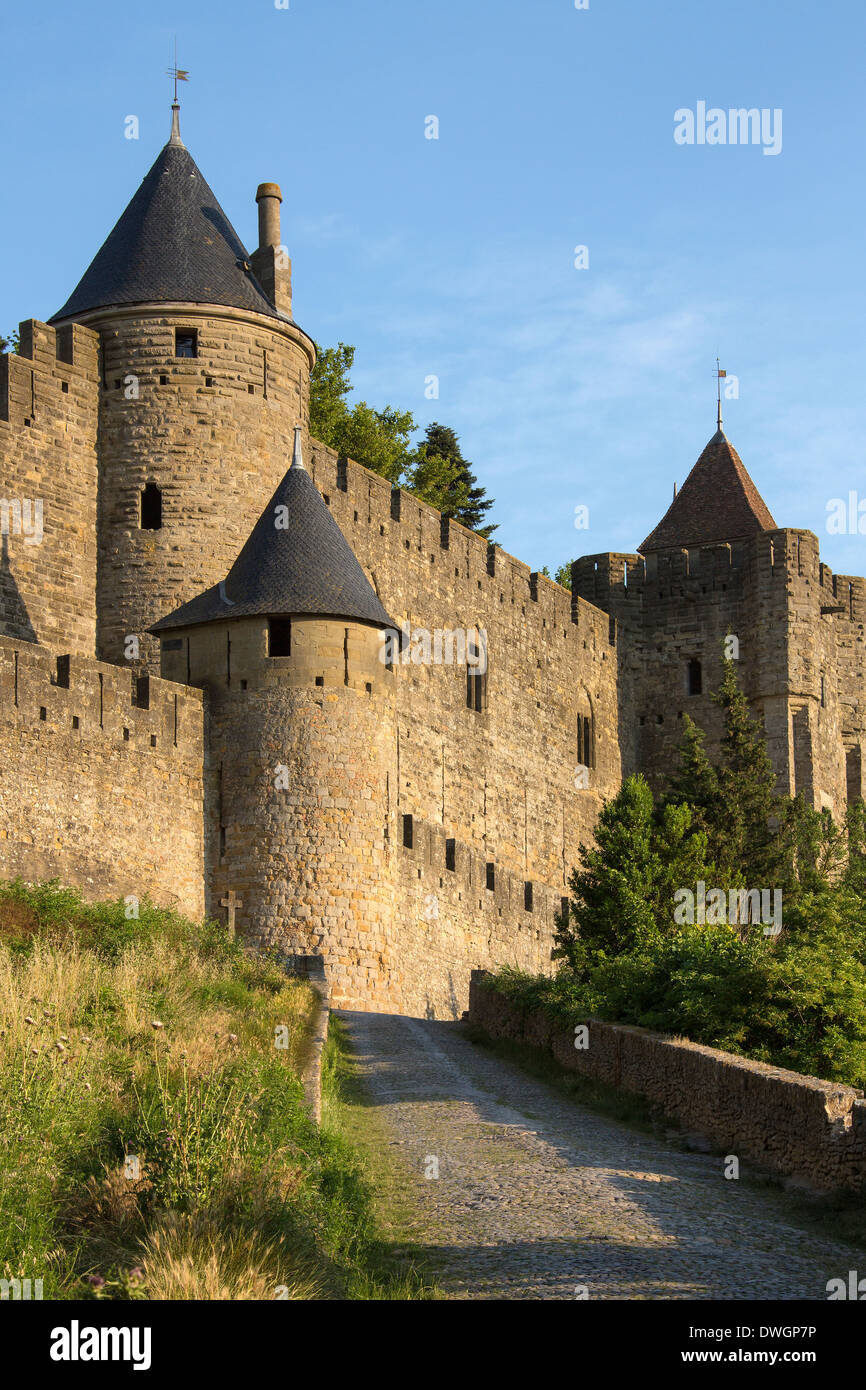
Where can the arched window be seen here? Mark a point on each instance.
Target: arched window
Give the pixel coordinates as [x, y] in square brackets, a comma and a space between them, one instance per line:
[151, 508]
[694, 678]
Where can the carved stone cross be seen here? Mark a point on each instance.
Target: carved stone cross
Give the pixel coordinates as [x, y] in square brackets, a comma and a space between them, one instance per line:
[232, 903]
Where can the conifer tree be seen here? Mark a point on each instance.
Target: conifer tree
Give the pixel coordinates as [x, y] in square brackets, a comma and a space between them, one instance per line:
[466, 502]
[755, 837]
[623, 895]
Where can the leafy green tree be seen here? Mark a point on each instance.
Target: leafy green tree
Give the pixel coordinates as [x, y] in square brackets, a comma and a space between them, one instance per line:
[562, 575]
[623, 895]
[329, 387]
[466, 502]
[377, 439]
[12, 343]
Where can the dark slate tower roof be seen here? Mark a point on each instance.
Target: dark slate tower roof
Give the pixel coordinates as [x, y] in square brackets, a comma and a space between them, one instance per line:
[173, 243]
[718, 502]
[296, 563]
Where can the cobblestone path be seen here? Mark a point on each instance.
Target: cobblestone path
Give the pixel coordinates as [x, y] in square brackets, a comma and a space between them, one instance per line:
[537, 1196]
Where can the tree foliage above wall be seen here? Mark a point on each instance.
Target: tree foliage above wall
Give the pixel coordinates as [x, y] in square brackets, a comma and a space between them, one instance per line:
[380, 440]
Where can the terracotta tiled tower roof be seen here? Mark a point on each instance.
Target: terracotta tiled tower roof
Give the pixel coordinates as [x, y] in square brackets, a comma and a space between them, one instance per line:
[173, 243]
[717, 502]
[297, 562]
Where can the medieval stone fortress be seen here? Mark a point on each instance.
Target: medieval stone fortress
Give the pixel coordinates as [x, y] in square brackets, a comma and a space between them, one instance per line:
[197, 700]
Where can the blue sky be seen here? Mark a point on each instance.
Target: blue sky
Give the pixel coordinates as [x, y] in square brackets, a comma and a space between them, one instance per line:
[455, 257]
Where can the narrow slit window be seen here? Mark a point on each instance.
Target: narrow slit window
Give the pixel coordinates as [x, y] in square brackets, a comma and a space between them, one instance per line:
[695, 678]
[151, 508]
[585, 741]
[476, 675]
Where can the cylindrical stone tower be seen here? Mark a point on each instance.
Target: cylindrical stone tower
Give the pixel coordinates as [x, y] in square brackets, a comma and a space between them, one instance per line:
[301, 745]
[204, 376]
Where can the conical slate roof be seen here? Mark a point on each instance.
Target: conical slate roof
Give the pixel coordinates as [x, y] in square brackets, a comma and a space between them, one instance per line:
[718, 502]
[296, 562]
[173, 243]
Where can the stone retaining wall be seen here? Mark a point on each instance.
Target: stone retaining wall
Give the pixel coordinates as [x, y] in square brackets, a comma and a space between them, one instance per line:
[792, 1124]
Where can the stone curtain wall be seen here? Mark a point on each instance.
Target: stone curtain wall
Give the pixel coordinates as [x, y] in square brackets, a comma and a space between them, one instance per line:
[214, 432]
[100, 792]
[499, 781]
[48, 424]
[796, 1125]
[448, 922]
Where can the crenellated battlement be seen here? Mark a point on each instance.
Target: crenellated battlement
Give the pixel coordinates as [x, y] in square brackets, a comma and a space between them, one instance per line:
[52, 379]
[471, 575]
[75, 697]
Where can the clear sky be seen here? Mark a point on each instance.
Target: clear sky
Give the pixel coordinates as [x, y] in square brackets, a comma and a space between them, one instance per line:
[456, 257]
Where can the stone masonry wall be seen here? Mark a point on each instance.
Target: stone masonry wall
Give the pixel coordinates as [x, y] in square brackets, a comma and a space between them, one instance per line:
[501, 779]
[797, 1125]
[800, 661]
[299, 783]
[100, 778]
[48, 425]
[214, 432]
[500, 782]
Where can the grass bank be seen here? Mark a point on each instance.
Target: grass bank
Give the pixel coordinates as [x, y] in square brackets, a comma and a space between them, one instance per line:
[153, 1138]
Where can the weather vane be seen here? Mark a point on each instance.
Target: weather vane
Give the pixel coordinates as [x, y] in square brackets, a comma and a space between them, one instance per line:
[720, 372]
[179, 74]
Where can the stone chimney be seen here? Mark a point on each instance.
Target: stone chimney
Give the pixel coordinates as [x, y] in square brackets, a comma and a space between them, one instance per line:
[271, 264]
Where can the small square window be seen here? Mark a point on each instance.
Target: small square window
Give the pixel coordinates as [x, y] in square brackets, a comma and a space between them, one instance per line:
[280, 637]
[185, 342]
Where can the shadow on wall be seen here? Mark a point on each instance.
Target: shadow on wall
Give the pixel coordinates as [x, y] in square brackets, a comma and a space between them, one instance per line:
[456, 1011]
[14, 618]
